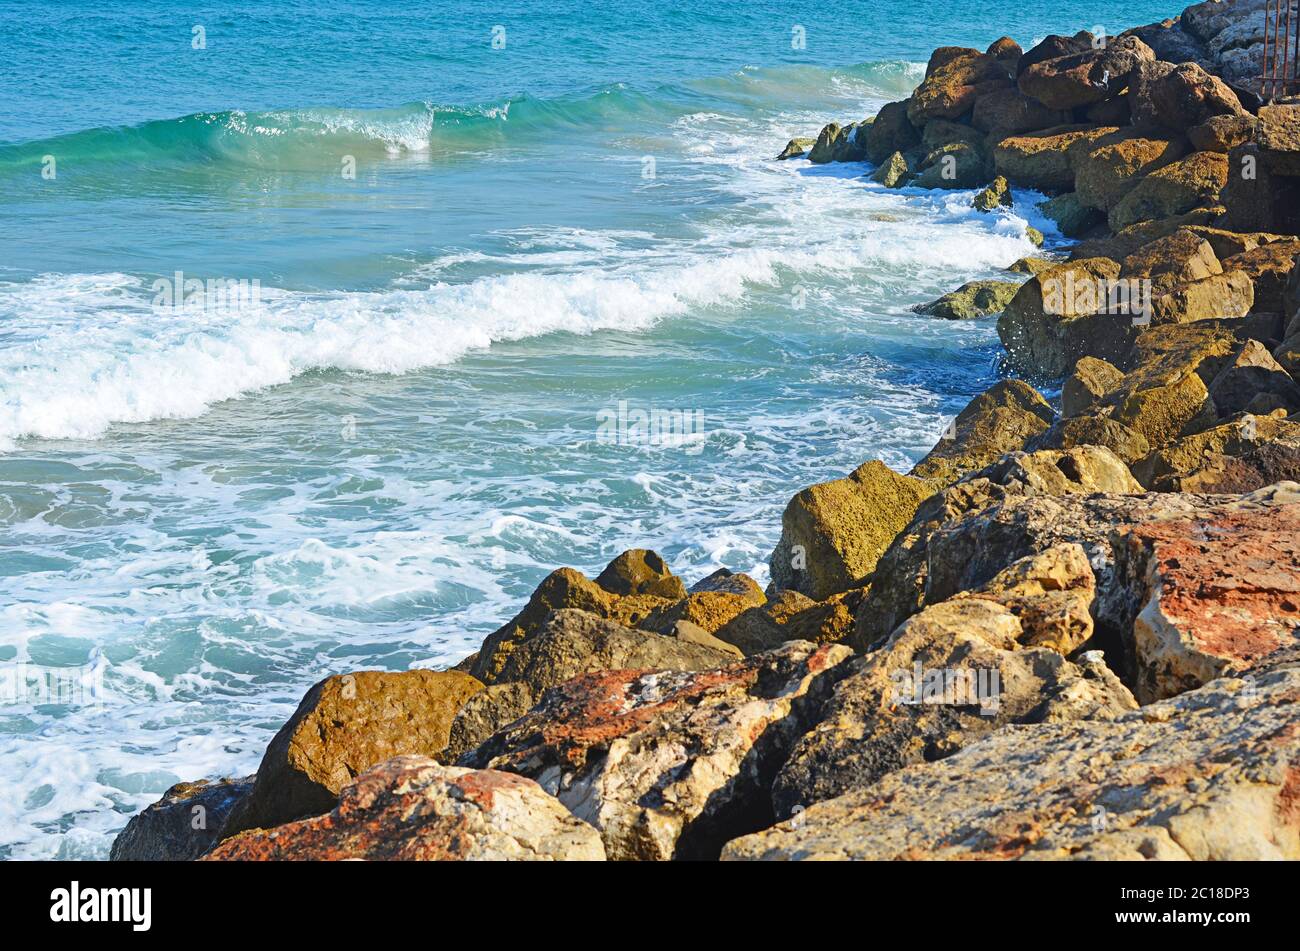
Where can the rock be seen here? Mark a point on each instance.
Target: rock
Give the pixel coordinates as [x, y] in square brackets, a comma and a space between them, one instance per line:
[994, 196]
[1082, 469]
[1049, 324]
[1179, 97]
[1034, 235]
[832, 533]
[483, 714]
[1232, 34]
[1008, 111]
[1054, 47]
[894, 172]
[1032, 265]
[1254, 198]
[1045, 160]
[1266, 464]
[971, 300]
[1005, 50]
[709, 610]
[1229, 294]
[1178, 187]
[690, 633]
[1222, 133]
[953, 83]
[1209, 775]
[1090, 380]
[1172, 260]
[726, 581]
[670, 765]
[640, 571]
[1117, 162]
[344, 725]
[1072, 217]
[1120, 245]
[1228, 243]
[1287, 354]
[999, 420]
[956, 165]
[1269, 267]
[1109, 112]
[823, 150]
[573, 642]
[955, 672]
[567, 588]
[1093, 431]
[1079, 79]
[851, 144]
[183, 824]
[891, 132]
[411, 808]
[1209, 598]
[965, 535]
[1171, 42]
[1163, 411]
[796, 148]
[1251, 373]
[1163, 353]
[794, 617]
[1278, 136]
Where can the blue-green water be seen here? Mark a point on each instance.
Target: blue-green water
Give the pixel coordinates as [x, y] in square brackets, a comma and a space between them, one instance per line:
[373, 461]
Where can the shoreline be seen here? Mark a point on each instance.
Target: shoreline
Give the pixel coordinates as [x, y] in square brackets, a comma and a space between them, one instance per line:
[1115, 578]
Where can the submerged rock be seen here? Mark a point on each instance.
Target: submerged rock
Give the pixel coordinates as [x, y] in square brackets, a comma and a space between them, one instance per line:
[411, 808]
[183, 824]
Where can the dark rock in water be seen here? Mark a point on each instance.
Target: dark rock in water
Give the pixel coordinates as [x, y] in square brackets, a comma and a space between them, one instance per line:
[796, 148]
[669, 764]
[891, 132]
[344, 725]
[894, 172]
[411, 808]
[1072, 217]
[183, 824]
[823, 149]
[996, 195]
[971, 300]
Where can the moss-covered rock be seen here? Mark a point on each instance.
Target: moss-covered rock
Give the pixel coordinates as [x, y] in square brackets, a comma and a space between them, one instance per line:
[832, 533]
[894, 172]
[1178, 187]
[1089, 381]
[973, 299]
[996, 195]
[999, 420]
[796, 148]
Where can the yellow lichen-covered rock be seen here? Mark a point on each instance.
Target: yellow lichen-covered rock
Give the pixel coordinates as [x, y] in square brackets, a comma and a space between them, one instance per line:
[1090, 380]
[1164, 412]
[1176, 188]
[832, 533]
[999, 420]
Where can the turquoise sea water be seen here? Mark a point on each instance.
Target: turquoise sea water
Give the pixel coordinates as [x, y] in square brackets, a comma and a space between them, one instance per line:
[372, 461]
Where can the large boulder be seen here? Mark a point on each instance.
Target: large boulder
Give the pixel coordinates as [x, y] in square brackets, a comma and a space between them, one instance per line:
[1191, 182]
[1211, 597]
[1254, 380]
[1079, 79]
[344, 725]
[1269, 266]
[1008, 111]
[832, 533]
[641, 571]
[1117, 162]
[1185, 461]
[1054, 47]
[1209, 775]
[1046, 159]
[1089, 381]
[1071, 216]
[1176, 98]
[1078, 431]
[669, 765]
[183, 824]
[411, 808]
[955, 79]
[891, 132]
[999, 420]
[1055, 318]
[957, 671]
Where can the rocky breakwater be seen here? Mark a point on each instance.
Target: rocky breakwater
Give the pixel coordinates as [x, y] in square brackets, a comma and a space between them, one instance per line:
[1071, 630]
